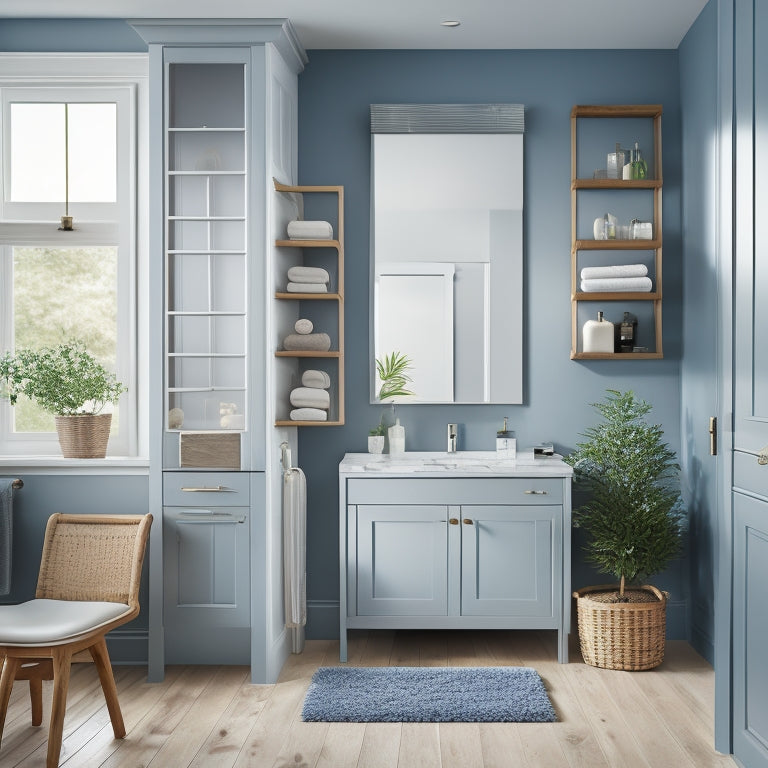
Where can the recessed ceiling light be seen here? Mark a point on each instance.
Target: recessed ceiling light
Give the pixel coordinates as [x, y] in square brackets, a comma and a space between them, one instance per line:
[450, 23]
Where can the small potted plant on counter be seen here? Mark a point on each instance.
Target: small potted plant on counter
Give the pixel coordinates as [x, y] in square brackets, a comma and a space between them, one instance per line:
[70, 383]
[633, 520]
[392, 373]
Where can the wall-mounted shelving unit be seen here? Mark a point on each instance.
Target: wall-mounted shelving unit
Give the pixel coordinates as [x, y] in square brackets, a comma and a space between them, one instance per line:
[654, 186]
[336, 415]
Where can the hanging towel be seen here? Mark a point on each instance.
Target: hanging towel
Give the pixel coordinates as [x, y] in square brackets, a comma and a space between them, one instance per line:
[620, 270]
[315, 342]
[309, 414]
[310, 397]
[315, 379]
[295, 547]
[308, 275]
[309, 230]
[6, 533]
[307, 288]
[617, 284]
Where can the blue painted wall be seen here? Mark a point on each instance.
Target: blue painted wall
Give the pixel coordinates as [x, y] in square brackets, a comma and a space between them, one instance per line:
[335, 92]
[698, 97]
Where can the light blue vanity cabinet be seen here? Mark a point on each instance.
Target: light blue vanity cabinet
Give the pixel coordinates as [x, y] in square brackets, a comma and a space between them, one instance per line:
[425, 545]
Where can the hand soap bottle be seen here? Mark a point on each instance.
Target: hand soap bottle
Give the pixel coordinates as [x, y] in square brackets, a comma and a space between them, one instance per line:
[396, 435]
[506, 444]
[597, 335]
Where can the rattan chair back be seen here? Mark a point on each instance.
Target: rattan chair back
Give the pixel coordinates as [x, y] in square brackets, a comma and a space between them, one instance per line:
[93, 557]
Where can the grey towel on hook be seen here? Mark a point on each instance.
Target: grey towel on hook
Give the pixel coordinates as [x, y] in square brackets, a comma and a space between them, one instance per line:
[6, 534]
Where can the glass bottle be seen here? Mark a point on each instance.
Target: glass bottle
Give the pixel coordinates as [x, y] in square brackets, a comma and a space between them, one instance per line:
[639, 166]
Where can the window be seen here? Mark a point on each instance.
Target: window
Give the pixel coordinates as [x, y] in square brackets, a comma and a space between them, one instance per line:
[70, 148]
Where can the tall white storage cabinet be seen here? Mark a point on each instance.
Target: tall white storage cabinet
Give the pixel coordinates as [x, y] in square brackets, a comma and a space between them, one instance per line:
[223, 101]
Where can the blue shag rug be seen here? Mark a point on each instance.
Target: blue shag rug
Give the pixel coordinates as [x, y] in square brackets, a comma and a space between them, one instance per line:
[427, 695]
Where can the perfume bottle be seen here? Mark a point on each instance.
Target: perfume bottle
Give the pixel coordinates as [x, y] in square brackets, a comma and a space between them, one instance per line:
[627, 333]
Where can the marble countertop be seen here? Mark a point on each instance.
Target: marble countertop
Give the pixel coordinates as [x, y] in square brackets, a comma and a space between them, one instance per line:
[460, 464]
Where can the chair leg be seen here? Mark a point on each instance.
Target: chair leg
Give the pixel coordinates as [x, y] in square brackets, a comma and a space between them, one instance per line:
[62, 658]
[6, 683]
[36, 699]
[103, 665]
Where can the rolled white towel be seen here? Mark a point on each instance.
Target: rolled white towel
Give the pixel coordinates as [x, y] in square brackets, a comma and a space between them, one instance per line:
[309, 230]
[617, 285]
[308, 414]
[310, 397]
[315, 342]
[308, 275]
[315, 379]
[307, 288]
[620, 270]
[303, 326]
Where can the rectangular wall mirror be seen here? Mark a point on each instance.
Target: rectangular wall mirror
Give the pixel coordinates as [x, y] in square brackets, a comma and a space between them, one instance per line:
[447, 256]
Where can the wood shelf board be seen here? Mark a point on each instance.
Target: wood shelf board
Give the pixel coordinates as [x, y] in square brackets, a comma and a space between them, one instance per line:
[307, 353]
[309, 296]
[617, 183]
[307, 187]
[617, 245]
[616, 355]
[616, 296]
[308, 244]
[291, 423]
[617, 110]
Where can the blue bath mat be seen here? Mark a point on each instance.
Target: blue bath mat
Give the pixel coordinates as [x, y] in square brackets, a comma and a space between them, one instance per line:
[427, 695]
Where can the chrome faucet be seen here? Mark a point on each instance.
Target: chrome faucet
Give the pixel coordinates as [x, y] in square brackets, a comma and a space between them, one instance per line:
[453, 438]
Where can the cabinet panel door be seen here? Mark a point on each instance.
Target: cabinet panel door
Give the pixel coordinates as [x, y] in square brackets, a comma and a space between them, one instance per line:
[507, 559]
[402, 560]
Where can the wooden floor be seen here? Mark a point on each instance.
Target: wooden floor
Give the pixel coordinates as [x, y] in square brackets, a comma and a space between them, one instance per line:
[212, 716]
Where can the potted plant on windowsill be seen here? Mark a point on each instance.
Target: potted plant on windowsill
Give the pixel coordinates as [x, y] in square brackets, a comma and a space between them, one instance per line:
[633, 520]
[392, 372]
[67, 381]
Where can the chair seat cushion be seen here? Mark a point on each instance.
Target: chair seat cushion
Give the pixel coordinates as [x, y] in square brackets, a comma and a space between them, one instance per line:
[41, 622]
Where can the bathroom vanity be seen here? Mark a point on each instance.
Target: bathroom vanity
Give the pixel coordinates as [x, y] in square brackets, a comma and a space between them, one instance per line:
[454, 541]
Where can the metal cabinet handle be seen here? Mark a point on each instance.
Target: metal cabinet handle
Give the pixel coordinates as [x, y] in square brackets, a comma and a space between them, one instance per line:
[454, 520]
[216, 520]
[468, 521]
[217, 489]
[537, 493]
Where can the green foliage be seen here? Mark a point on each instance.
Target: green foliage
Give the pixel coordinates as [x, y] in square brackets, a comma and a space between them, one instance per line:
[392, 372]
[634, 517]
[379, 430]
[64, 380]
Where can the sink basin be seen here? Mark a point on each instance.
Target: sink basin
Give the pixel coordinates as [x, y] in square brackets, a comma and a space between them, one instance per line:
[436, 461]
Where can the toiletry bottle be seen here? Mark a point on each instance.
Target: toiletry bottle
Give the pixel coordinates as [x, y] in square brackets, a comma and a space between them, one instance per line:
[396, 438]
[597, 335]
[639, 166]
[506, 443]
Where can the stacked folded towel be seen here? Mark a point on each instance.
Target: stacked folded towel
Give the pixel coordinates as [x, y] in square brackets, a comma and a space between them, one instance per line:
[311, 401]
[309, 230]
[308, 280]
[307, 342]
[622, 278]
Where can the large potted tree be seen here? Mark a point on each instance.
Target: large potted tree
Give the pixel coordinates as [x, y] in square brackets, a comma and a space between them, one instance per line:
[67, 381]
[633, 520]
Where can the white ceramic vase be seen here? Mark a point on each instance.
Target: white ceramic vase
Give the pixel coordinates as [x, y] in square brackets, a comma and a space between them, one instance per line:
[375, 443]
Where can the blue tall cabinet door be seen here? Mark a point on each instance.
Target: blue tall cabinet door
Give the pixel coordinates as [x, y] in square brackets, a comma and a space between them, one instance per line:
[750, 464]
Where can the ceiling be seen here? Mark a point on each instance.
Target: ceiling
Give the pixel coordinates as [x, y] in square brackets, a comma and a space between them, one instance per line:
[489, 24]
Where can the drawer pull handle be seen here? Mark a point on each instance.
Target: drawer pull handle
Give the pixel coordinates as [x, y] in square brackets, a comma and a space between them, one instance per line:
[468, 521]
[453, 521]
[762, 457]
[537, 493]
[213, 521]
[217, 489]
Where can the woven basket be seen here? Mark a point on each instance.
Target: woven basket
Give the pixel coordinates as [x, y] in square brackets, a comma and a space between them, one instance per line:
[627, 636]
[84, 436]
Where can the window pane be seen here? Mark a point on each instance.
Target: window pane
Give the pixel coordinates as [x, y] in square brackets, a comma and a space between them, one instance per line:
[38, 158]
[61, 294]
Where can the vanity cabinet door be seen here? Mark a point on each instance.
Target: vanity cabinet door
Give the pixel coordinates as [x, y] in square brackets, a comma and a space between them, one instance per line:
[510, 560]
[402, 560]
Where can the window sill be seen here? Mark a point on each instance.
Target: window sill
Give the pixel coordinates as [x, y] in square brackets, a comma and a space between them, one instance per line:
[52, 465]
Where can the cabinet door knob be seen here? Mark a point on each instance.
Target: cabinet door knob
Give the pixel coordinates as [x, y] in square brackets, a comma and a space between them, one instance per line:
[537, 493]
[453, 520]
[468, 521]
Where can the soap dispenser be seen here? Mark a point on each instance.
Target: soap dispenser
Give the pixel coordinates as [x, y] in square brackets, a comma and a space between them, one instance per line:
[396, 438]
[597, 335]
[506, 443]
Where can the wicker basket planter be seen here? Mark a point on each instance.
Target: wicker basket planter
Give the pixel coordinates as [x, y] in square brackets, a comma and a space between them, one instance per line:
[84, 436]
[615, 635]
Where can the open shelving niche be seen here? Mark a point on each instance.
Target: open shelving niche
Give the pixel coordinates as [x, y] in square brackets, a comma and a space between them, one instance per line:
[307, 247]
[654, 184]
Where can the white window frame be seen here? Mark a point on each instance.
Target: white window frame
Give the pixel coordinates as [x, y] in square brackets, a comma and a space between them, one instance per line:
[121, 78]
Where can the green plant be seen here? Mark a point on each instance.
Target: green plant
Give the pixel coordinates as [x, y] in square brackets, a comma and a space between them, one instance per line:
[392, 372]
[379, 430]
[634, 517]
[65, 379]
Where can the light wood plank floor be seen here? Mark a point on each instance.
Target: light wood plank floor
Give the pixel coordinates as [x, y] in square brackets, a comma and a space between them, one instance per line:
[213, 717]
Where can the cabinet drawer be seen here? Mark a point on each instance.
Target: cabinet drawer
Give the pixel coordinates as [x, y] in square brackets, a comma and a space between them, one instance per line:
[426, 490]
[202, 489]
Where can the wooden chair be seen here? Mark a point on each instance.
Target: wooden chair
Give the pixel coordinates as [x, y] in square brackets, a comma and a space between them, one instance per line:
[88, 584]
